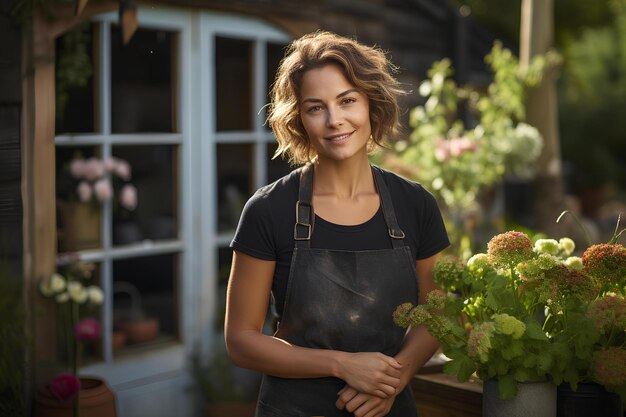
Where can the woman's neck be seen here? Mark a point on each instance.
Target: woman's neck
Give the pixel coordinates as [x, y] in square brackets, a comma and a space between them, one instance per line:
[346, 179]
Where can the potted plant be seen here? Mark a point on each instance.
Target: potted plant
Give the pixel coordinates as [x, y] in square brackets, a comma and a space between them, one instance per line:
[527, 312]
[225, 389]
[69, 394]
[87, 183]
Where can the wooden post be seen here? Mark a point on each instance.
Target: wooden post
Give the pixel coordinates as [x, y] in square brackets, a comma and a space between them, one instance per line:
[38, 174]
[38, 186]
[536, 37]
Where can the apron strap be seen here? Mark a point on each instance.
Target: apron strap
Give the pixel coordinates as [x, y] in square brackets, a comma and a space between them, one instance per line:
[305, 217]
[395, 233]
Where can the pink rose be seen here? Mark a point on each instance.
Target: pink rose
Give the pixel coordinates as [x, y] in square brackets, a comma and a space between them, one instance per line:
[87, 330]
[128, 197]
[84, 191]
[94, 169]
[103, 189]
[77, 168]
[64, 386]
[109, 164]
[122, 169]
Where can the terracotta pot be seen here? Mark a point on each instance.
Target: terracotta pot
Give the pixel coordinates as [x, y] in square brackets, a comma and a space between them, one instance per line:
[118, 340]
[140, 330]
[95, 400]
[231, 410]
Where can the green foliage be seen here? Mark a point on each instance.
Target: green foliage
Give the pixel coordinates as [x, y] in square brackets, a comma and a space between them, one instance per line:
[219, 381]
[73, 65]
[593, 96]
[457, 162]
[12, 347]
[542, 317]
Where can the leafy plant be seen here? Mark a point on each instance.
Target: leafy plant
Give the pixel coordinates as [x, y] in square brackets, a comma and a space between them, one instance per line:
[14, 343]
[526, 312]
[459, 162]
[219, 381]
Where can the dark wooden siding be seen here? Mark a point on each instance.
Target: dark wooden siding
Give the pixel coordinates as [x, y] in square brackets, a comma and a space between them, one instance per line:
[10, 158]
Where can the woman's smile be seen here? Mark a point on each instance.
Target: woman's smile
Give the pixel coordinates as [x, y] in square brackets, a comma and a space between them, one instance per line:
[339, 138]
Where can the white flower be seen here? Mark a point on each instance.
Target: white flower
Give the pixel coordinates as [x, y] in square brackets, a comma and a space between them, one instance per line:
[53, 285]
[77, 292]
[46, 288]
[549, 246]
[57, 283]
[574, 262]
[567, 245]
[96, 296]
[62, 298]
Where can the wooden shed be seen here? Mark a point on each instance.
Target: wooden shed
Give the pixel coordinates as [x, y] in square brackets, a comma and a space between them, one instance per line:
[182, 104]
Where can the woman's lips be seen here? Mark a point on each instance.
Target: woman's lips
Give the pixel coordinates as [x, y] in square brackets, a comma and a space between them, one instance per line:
[338, 139]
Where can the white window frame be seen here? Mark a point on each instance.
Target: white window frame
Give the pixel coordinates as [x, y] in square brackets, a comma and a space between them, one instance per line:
[197, 137]
[143, 366]
[260, 33]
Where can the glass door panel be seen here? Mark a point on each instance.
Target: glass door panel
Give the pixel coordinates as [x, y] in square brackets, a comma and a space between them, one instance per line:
[233, 70]
[152, 191]
[142, 88]
[145, 301]
[235, 182]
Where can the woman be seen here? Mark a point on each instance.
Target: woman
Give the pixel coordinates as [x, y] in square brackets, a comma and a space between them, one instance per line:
[337, 243]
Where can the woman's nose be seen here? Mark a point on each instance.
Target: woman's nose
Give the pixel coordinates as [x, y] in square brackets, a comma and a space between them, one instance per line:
[333, 117]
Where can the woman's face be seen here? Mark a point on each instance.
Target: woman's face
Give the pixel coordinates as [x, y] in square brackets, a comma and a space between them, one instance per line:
[334, 113]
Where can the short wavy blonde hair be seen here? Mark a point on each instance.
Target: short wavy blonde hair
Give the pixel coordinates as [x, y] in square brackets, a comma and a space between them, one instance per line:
[367, 68]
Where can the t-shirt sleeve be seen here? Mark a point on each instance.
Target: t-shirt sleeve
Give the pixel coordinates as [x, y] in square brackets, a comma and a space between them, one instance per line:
[432, 228]
[254, 232]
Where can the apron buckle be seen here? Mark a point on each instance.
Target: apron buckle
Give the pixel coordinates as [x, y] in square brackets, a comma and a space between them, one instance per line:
[396, 234]
[295, 232]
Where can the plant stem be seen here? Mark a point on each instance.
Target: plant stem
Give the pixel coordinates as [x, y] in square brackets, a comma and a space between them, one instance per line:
[74, 320]
[577, 220]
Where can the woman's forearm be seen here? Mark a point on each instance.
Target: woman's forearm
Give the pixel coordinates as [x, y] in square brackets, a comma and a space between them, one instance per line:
[273, 356]
[419, 346]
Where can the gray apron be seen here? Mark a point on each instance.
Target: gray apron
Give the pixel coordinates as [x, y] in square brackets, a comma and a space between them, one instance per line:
[340, 300]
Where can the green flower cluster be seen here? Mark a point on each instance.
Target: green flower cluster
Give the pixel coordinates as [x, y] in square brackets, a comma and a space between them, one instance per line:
[529, 311]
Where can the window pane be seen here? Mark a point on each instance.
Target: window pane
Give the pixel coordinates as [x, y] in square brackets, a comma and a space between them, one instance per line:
[155, 181]
[74, 81]
[78, 222]
[277, 167]
[142, 84]
[233, 71]
[145, 301]
[275, 53]
[234, 182]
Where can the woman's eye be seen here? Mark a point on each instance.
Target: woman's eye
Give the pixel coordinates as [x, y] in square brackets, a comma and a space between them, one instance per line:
[314, 109]
[347, 100]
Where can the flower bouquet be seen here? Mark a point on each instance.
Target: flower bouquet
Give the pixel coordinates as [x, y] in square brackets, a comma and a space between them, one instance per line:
[71, 295]
[95, 180]
[529, 311]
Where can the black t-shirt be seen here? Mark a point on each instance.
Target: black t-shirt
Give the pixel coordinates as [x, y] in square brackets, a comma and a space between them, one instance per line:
[265, 228]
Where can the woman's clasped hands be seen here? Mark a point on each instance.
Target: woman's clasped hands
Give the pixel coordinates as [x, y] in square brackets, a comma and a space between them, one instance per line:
[372, 383]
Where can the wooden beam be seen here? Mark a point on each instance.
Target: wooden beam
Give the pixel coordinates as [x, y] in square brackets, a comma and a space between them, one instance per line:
[38, 186]
[536, 38]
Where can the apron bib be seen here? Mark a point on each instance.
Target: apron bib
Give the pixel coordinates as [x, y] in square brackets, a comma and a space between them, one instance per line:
[340, 300]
